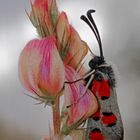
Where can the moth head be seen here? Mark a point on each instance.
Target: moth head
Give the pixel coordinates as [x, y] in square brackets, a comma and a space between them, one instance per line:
[96, 61]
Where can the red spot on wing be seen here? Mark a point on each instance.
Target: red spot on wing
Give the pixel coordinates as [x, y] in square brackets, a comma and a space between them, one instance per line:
[109, 119]
[95, 86]
[96, 135]
[101, 88]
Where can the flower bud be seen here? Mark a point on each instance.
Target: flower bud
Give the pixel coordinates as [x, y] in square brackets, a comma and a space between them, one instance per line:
[44, 15]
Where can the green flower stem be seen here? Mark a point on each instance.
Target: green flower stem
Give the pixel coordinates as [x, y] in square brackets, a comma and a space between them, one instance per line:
[56, 118]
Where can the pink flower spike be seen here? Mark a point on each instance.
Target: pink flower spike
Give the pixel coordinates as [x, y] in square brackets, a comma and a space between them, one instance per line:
[41, 69]
[85, 107]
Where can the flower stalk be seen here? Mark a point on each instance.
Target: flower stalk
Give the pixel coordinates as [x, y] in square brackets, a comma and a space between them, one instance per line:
[56, 118]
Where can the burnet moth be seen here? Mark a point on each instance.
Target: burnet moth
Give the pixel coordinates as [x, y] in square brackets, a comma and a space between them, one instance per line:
[106, 123]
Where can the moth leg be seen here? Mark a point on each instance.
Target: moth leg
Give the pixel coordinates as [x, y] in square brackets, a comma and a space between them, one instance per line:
[80, 66]
[87, 85]
[83, 78]
[84, 92]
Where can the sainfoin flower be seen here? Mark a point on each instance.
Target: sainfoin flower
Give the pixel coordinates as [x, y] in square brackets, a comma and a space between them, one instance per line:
[81, 107]
[46, 64]
[41, 68]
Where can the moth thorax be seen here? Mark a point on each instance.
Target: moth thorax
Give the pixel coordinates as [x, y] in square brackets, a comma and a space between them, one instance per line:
[96, 61]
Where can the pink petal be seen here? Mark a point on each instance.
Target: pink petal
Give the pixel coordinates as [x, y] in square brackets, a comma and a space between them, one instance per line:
[77, 49]
[63, 32]
[25, 72]
[70, 45]
[41, 4]
[41, 68]
[84, 108]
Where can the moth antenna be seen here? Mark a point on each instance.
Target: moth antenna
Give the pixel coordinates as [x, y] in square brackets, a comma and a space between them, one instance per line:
[89, 12]
[85, 19]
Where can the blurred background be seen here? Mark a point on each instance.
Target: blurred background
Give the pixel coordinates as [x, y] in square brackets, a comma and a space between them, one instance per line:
[119, 26]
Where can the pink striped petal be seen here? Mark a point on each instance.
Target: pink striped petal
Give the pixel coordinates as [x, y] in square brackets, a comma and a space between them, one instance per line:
[41, 68]
[63, 33]
[41, 4]
[84, 108]
[77, 49]
[44, 15]
[70, 45]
